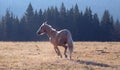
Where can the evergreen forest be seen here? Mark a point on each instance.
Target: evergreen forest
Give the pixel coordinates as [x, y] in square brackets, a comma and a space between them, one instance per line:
[84, 26]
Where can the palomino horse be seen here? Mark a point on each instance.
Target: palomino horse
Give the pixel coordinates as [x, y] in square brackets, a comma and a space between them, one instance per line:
[57, 38]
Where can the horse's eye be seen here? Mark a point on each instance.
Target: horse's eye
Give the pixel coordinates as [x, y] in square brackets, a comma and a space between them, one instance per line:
[41, 28]
[44, 30]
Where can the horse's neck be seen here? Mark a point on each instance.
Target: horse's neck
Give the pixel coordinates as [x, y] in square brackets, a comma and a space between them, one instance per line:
[51, 33]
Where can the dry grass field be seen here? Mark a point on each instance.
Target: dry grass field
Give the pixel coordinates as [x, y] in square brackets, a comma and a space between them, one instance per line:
[41, 56]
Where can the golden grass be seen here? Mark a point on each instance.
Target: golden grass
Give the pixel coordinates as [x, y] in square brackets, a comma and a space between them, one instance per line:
[41, 56]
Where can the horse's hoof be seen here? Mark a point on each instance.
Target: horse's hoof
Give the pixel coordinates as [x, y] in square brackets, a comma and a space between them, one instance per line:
[70, 57]
[61, 56]
[65, 56]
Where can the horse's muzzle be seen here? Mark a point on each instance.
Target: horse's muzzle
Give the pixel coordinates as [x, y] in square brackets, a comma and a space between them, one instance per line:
[38, 33]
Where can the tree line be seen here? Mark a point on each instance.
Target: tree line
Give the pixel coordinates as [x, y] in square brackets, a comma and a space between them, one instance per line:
[84, 26]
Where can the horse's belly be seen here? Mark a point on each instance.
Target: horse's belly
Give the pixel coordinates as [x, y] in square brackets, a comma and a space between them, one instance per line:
[61, 41]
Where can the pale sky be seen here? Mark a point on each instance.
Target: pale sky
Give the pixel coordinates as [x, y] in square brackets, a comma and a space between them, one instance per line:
[18, 7]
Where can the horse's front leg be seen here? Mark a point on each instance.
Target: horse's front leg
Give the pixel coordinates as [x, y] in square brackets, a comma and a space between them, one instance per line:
[57, 51]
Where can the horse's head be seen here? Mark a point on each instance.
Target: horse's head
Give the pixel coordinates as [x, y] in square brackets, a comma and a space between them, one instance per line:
[42, 29]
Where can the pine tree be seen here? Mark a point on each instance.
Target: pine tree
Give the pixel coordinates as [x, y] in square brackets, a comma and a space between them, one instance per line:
[107, 26]
[96, 27]
[62, 10]
[40, 16]
[22, 29]
[117, 26]
[87, 25]
[76, 22]
[29, 18]
[62, 16]
[15, 27]
[0, 29]
[29, 14]
[117, 30]
[76, 12]
[7, 21]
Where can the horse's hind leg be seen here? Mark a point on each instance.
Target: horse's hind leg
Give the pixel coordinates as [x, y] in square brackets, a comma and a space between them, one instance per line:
[65, 51]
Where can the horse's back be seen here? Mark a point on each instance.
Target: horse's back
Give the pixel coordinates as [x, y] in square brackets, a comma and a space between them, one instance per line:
[62, 36]
[64, 33]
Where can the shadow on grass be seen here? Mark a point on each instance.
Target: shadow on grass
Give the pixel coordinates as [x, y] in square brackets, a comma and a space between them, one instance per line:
[91, 63]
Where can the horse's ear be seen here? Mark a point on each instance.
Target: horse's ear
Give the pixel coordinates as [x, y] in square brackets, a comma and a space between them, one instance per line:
[45, 22]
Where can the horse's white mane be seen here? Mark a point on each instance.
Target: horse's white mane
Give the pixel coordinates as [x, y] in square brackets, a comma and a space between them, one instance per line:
[49, 26]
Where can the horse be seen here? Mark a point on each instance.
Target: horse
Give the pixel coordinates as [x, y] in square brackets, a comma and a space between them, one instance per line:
[57, 38]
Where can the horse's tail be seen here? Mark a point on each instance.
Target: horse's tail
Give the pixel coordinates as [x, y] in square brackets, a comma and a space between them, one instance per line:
[70, 44]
